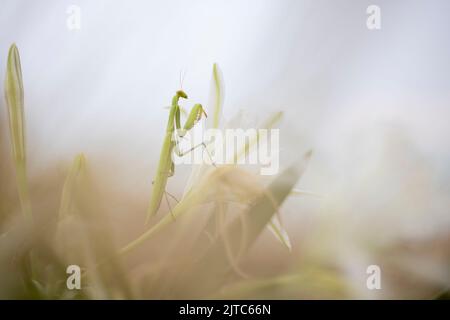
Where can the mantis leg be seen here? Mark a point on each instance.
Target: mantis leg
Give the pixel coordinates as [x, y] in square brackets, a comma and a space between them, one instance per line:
[202, 144]
[172, 196]
[168, 204]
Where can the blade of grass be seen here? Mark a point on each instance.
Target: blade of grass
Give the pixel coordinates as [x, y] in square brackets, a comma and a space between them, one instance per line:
[194, 197]
[216, 101]
[268, 124]
[80, 196]
[15, 104]
[209, 272]
[217, 95]
[298, 192]
[69, 185]
[311, 281]
[184, 205]
[275, 225]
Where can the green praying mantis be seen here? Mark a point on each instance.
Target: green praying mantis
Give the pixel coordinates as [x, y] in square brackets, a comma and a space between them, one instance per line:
[166, 167]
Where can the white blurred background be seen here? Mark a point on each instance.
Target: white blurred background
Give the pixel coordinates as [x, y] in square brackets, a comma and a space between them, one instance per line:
[373, 104]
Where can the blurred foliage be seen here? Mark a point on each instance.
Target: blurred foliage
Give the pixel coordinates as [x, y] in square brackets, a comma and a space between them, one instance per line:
[198, 248]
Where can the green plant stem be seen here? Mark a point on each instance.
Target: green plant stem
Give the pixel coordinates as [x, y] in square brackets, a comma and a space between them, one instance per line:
[24, 197]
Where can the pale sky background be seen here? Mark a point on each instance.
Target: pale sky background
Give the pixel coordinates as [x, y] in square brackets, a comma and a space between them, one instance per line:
[370, 103]
[316, 60]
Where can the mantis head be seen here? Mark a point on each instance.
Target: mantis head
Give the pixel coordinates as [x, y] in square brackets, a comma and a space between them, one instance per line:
[182, 94]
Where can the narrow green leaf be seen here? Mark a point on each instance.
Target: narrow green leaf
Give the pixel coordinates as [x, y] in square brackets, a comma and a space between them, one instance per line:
[309, 282]
[15, 104]
[268, 124]
[216, 101]
[69, 185]
[217, 95]
[214, 267]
